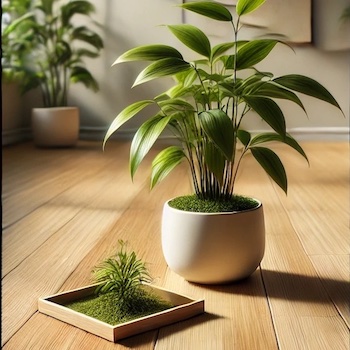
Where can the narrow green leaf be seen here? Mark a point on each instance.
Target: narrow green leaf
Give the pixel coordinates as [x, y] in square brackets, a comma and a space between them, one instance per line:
[269, 111]
[272, 164]
[17, 22]
[272, 90]
[271, 137]
[162, 68]
[165, 162]
[186, 78]
[143, 140]
[209, 9]
[148, 53]
[307, 86]
[219, 49]
[82, 75]
[175, 104]
[87, 53]
[126, 114]
[215, 161]
[254, 52]
[244, 136]
[86, 35]
[192, 37]
[218, 127]
[245, 6]
[75, 7]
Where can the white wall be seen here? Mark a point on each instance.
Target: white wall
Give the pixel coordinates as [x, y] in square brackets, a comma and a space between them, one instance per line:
[127, 23]
[130, 23]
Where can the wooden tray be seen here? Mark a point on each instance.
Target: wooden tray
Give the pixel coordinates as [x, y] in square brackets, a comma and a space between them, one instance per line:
[184, 308]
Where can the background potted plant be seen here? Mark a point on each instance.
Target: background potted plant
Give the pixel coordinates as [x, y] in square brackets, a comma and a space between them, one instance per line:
[12, 74]
[205, 109]
[55, 48]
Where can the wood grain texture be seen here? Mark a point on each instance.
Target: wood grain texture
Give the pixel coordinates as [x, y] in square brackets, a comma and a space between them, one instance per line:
[66, 209]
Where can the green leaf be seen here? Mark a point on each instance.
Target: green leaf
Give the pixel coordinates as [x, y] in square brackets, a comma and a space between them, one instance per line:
[269, 111]
[46, 6]
[192, 37]
[307, 86]
[215, 161]
[82, 75]
[75, 7]
[63, 52]
[17, 22]
[219, 49]
[148, 53]
[218, 127]
[271, 137]
[209, 9]
[126, 114]
[272, 90]
[175, 104]
[245, 6]
[162, 68]
[244, 137]
[186, 78]
[165, 162]
[86, 53]
[254, 52]
[272, 164]
[145, 137]
[86, 35]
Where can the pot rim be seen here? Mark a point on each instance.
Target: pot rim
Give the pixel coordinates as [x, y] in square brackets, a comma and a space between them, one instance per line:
[185, 212]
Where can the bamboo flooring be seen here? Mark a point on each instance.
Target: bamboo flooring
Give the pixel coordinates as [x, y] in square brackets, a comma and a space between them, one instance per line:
[66, 209]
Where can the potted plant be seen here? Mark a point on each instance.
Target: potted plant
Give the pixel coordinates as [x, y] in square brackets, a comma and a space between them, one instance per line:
[204, 109]
[121, 302]
[12, 50]
[56, 46]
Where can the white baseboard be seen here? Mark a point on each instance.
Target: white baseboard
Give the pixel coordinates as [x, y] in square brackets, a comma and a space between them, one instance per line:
[321, 133]
[301, 134]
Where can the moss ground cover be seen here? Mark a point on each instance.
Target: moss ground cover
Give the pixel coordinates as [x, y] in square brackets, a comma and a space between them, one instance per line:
[195, 204]
[105, 307]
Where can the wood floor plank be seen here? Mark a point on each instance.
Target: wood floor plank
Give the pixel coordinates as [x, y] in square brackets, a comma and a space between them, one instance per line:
[50, 179]
[318, 202]
[328, 333]
[60, 224]
[334, 272]
[44, 272]
[146, 208]
[25, 237]
[293, 286]
[53, 334]
[236, 317]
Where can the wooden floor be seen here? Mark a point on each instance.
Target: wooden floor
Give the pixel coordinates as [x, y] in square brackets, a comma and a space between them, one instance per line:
[65, 209]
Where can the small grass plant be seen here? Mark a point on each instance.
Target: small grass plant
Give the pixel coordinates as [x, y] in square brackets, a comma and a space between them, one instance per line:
[120, 296]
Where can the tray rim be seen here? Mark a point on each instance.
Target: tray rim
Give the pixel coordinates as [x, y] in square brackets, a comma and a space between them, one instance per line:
[185, 308]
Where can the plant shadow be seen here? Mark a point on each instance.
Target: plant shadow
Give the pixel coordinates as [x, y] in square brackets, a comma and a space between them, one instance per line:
[147, 337]
[288, 286]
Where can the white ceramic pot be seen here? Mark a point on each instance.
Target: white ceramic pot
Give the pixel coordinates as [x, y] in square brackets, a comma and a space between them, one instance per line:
[213, 248]
[55, 126]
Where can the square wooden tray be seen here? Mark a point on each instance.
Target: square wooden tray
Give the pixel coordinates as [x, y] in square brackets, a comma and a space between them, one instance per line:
[184, 308]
